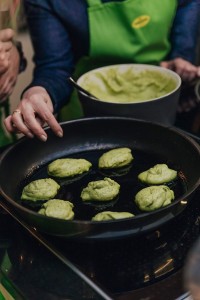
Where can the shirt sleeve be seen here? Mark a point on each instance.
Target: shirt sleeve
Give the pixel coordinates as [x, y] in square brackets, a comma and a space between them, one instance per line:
[53, 55]
[185, 30]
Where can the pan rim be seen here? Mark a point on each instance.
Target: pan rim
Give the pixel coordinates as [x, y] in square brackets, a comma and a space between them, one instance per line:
[88, 222]
[160, 69]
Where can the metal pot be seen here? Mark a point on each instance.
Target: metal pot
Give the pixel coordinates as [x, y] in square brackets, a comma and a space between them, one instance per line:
[161, 110]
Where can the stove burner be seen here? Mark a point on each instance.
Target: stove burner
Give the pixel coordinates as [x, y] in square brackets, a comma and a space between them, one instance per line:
[125, 265]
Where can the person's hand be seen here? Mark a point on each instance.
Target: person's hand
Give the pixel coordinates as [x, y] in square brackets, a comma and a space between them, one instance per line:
[185, 69]
[9, 63]
[6, 36]
[34, 111]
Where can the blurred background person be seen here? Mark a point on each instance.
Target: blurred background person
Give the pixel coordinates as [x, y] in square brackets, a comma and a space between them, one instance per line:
[9, 63]
[12, 61]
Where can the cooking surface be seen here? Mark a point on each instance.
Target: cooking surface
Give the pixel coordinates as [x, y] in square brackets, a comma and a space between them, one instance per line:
[122, 266]
[141, 268]
[125, 269]
[127, 178]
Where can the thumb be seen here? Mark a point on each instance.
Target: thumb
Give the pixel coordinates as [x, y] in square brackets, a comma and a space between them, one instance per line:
[167, 64]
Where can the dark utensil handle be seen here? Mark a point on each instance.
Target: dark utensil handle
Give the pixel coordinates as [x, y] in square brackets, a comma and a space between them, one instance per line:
[78, 87]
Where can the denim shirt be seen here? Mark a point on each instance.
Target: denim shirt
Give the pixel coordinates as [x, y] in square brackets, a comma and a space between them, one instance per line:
[60, 35]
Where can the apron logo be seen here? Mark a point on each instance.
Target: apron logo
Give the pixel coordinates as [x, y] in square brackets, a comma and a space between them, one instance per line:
[140, 22]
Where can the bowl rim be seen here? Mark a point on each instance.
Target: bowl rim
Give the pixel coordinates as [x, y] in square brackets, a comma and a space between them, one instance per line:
[139, 66]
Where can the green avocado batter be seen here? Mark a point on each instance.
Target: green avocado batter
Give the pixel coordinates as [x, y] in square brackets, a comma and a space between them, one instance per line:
[111, 215]
[154, 197]
[159, 174]
[57, 208]
[115, 158]
[114, 85]
[100, 190]
[68, 167]
[41, 189]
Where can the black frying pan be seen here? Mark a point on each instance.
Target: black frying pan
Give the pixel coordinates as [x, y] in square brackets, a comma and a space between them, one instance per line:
[89, 138]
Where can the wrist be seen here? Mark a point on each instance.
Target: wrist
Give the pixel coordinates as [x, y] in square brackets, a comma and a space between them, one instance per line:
[38, 92]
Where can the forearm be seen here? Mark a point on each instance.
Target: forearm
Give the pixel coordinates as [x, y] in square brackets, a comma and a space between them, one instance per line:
[53, 54]
[56, 85]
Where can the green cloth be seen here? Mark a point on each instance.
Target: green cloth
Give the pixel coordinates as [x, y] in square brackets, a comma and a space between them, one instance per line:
[5, 137]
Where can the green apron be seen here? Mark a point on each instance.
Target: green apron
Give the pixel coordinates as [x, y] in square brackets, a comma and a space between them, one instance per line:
[130, 31]
[5, 137]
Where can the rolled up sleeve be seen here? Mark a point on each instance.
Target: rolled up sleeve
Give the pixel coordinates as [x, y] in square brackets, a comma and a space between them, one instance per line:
[53, 56]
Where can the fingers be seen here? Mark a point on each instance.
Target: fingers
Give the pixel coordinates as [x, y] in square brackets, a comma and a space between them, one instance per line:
[4, 95]
[4, 62]
[16, 123]
[6, 35]
[44, 113]
[184, 69]
[5, 56]
[34, 110]
[187, 71]
[9, 125]
[31, 121]
[9, 69]
[164, 64]
[29, 118]
[167, 64]
[6, 46]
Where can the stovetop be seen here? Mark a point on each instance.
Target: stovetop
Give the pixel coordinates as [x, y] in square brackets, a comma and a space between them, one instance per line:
[139, 268]
[38, 266]
[132, 268]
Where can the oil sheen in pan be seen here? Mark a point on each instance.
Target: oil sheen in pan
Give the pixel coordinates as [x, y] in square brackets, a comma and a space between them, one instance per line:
[129, 184]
